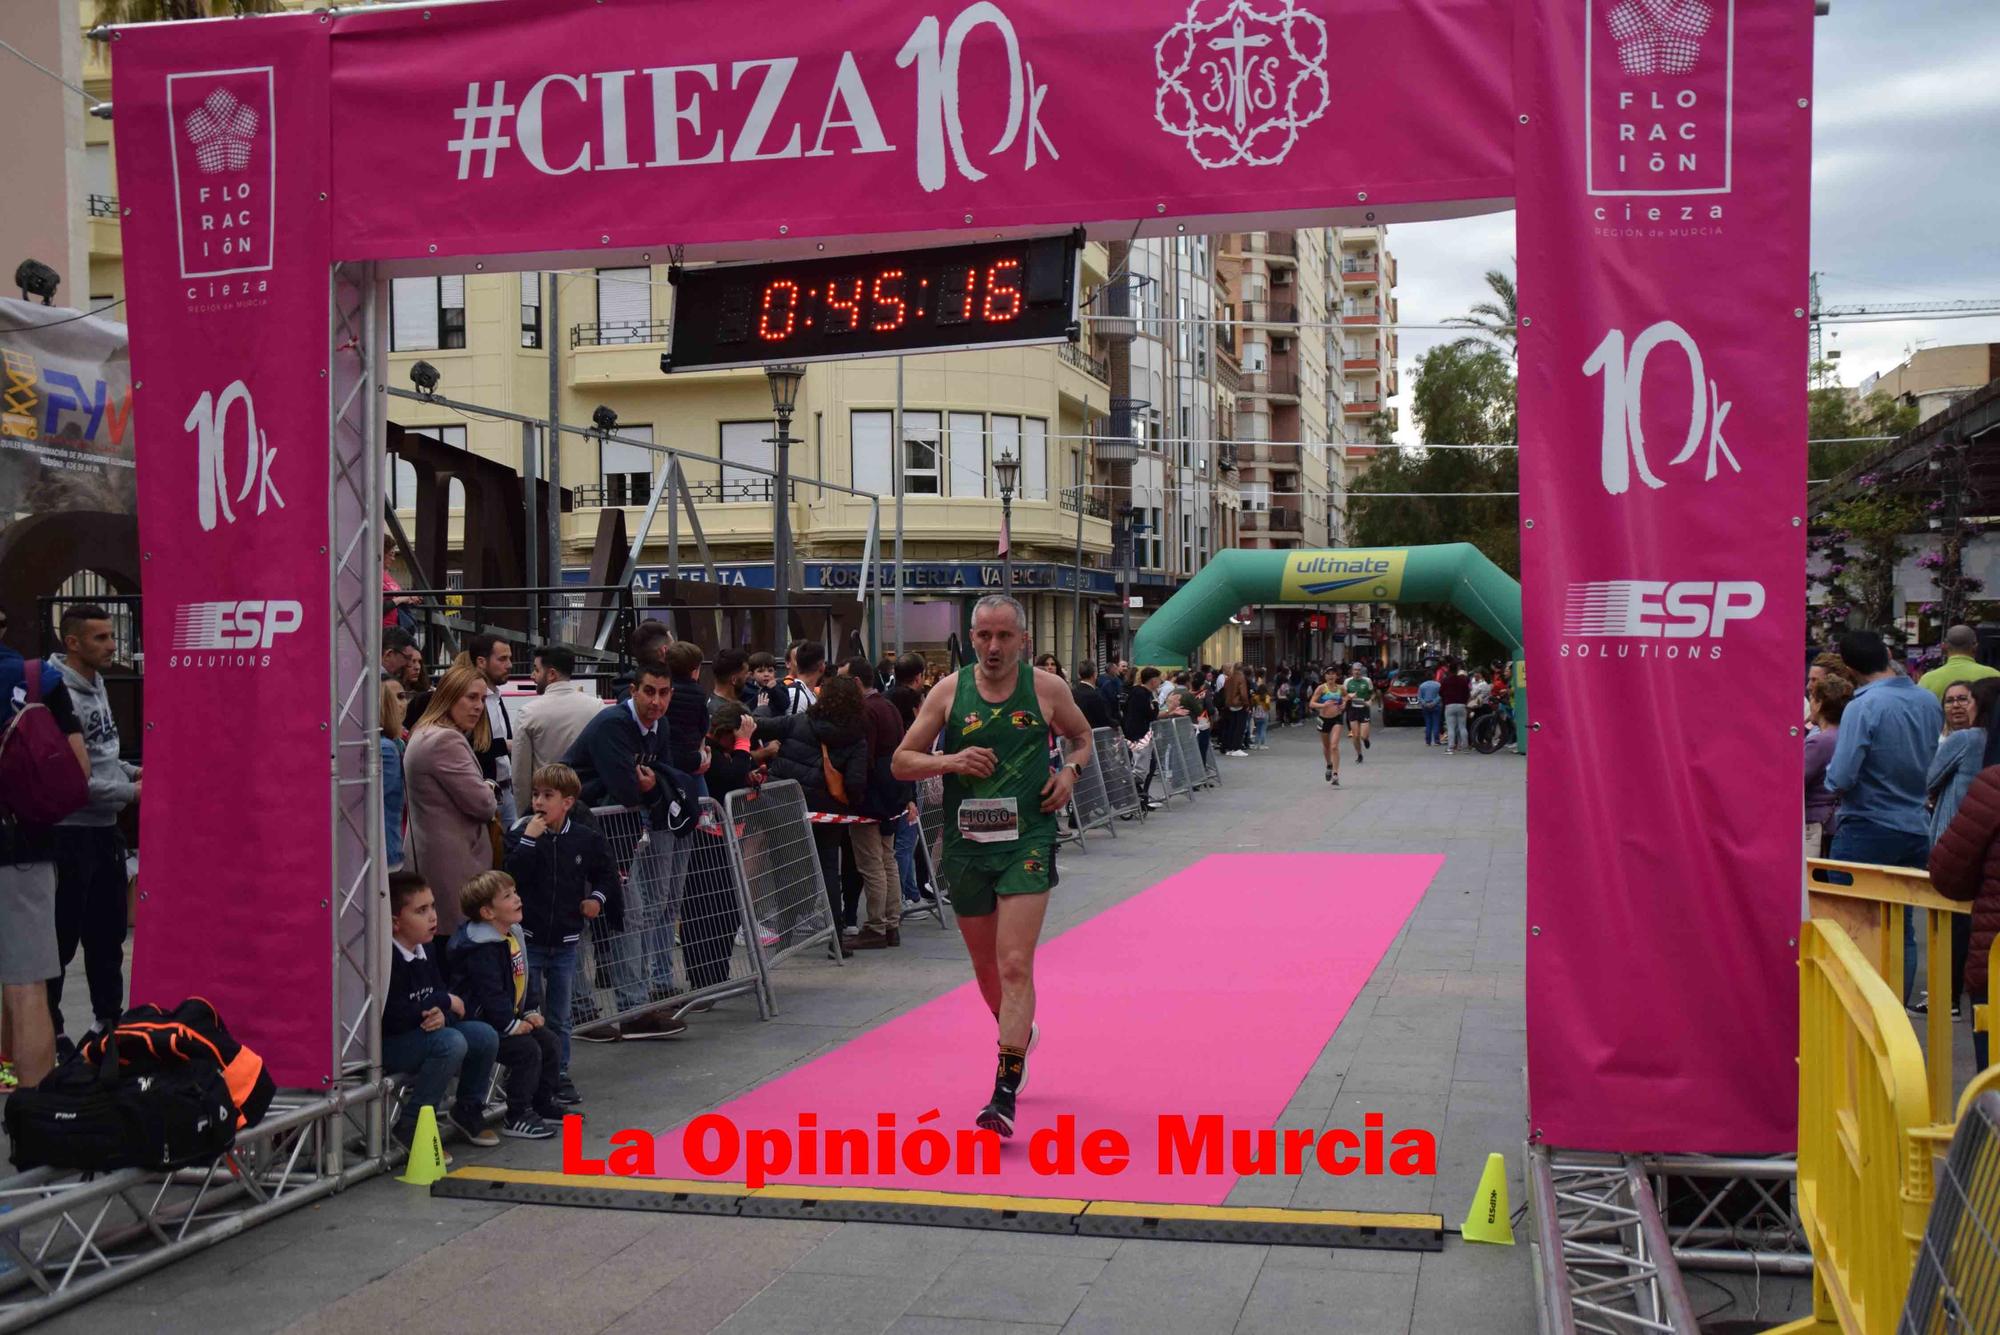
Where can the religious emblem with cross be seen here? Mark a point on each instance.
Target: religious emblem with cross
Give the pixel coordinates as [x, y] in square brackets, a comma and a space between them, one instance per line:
[1239, 80]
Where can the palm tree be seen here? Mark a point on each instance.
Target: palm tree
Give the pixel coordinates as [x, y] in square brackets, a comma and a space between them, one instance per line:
[1496, 320]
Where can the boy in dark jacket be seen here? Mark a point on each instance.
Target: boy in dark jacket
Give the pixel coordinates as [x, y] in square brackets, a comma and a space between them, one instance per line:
[425, 1032]
[489, 969]
[563, 867]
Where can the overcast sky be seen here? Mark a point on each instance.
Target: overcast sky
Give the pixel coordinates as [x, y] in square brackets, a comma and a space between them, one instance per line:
[1906, 188]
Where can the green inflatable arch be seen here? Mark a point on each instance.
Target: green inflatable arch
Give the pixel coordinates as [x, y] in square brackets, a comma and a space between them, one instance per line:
[1457, 573]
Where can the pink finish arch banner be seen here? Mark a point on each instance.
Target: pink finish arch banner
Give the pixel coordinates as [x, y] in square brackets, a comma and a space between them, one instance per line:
[1664, 162]
[226, 254]
[1660, 448]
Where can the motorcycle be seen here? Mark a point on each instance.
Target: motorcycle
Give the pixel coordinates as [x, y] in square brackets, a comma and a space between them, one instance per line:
[1492, 728]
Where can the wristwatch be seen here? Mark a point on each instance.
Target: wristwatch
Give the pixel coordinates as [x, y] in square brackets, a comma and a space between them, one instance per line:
[1074, 768]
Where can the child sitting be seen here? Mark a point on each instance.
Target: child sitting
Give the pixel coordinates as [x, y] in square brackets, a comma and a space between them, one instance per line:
[425, 1034]
[489, 968]
[566, 875]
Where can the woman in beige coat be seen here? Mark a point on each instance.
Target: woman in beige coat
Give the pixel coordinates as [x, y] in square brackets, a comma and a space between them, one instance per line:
[451, 803]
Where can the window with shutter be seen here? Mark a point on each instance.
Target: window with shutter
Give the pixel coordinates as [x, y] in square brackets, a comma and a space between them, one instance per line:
[967, 454]
[413, 314]
[1035, 460]
[747, 443]
[625, 470]
[625, 306]
[921, 448]
[869, 435]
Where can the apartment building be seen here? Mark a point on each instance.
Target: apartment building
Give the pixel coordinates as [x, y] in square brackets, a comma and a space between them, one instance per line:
[1360, 287]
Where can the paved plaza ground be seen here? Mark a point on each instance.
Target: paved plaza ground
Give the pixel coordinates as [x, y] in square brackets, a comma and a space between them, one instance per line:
[1433, 1040]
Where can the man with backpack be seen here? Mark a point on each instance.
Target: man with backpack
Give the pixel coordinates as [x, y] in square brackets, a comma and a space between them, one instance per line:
[41, 733]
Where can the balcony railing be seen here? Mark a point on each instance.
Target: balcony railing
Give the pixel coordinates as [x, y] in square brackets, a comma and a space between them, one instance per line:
[1094, 367]
[606, 333]
[615, 492]
[1111, 310]
[101, 206]
[1118, 441]
[1094, 506]
[1270, 312]
[1366, 264]
[1271, 382]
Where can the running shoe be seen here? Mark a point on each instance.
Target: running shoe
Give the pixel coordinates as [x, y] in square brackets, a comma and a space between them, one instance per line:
[566, 1092]
[1329, 774]
[998, 1115]
[1360, 756]
[8, 1080]
[528, 1127]
[1335, 781]
[1034, 1037]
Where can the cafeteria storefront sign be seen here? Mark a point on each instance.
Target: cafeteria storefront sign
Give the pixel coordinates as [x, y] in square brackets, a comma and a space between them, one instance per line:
[951, 577]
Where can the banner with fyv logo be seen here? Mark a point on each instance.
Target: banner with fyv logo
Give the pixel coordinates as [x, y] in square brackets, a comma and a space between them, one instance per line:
[1665, 145]
[875, 116]
[226, 248]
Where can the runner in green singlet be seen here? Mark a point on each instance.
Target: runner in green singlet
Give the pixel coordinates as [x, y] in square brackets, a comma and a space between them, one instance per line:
[1001, 801]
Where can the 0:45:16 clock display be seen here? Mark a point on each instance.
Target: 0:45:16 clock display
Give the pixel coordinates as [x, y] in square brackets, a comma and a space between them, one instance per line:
[880, 302]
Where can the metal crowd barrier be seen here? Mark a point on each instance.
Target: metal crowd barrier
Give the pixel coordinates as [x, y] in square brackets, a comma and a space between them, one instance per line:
[1189, 748]
[682, 937]
[1089, 803]
[777, 861]
[1170, 765]
[1956, 1284]
[1114, 755]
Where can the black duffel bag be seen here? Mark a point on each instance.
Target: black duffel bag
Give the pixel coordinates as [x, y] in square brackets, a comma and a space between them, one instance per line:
[97, 1118]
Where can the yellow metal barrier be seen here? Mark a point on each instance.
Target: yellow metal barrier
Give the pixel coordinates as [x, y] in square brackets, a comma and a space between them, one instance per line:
[1871, 909]
[1865, 1181]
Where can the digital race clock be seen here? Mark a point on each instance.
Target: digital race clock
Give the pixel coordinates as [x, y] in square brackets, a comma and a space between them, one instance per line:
[954, 297]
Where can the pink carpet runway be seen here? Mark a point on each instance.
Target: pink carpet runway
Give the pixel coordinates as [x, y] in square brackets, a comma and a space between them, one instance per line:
[1211, 993]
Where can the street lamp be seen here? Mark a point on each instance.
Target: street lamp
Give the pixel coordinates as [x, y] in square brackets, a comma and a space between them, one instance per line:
[785, 381]
[1134, 526]
[1007, 470]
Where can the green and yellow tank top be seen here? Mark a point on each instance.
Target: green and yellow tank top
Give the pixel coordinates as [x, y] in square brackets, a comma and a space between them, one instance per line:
[1002, 812]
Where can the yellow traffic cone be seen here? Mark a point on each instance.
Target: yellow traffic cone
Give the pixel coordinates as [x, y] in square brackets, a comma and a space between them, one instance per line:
[427, 1157]
[1489, 1219]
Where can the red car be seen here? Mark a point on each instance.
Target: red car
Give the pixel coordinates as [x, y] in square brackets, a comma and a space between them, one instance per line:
[1399, 699]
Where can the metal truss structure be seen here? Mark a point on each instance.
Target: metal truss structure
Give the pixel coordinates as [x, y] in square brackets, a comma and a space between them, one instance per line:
[1613, 1233]
[65, 1237]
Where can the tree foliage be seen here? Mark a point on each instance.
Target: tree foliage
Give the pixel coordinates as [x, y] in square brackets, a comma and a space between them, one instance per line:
[1464, 395]
[1834, 413]
[1496, 320]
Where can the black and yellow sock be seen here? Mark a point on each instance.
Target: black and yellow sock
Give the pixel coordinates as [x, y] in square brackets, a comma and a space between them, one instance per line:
[1013, 1064]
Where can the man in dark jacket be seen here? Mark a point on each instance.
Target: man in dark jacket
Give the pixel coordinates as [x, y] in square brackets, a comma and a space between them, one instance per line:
[1088, 698]
[886, 798]
[1112, 687]
[620, 759]
[904, 694]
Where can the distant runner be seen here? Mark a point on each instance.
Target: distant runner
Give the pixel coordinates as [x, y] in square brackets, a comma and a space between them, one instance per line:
[1329, 706]
[1360, 691]
[1000, 800]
